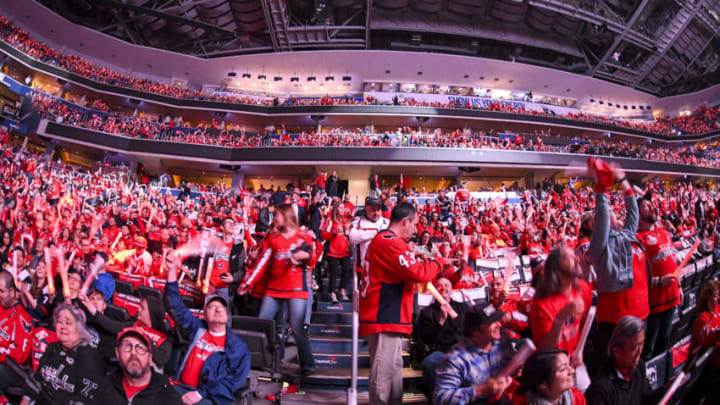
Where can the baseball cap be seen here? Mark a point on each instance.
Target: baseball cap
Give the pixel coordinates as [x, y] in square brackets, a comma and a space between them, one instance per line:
[137, 332]
[373, 202]
[215, 297]
[482, 314]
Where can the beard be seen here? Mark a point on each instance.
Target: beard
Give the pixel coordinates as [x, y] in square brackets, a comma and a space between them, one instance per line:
[650, 218]
[133, 368]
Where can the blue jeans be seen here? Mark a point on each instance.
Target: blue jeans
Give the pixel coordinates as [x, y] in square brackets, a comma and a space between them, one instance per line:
[429, 365]
[308, 308]
[183, 389]
[296, 311]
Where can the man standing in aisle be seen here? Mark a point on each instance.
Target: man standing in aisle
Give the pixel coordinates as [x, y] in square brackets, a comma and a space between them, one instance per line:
[386, 302]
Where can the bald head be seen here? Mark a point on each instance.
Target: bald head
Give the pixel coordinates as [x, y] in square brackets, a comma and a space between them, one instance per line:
[7, 290]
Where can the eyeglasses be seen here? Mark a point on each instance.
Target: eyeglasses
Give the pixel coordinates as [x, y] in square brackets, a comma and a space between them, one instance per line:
[140, 348]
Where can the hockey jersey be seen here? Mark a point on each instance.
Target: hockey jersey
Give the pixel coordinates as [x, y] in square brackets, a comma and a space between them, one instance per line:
[388, 284]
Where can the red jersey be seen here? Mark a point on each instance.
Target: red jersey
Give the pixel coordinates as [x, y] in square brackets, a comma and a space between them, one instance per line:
[706, 331]
[203, 348]
[388, 284]
[519, 323]
[661, 252]
[347, 210]
[462, 195]
[41, 338]
[467, 278]
[15, 333]
[221, 263]
[632, 301]
[286, 280]
[544, 311]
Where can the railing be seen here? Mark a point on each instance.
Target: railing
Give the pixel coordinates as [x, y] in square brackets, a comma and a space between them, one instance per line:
[341, 109]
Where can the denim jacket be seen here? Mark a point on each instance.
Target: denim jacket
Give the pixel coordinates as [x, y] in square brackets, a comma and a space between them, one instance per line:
[610, 250]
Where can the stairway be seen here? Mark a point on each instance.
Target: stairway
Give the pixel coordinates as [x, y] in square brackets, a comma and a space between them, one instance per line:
[331, 341]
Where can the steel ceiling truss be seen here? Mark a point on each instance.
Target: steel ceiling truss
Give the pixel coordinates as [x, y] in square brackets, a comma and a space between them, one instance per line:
[213, 28]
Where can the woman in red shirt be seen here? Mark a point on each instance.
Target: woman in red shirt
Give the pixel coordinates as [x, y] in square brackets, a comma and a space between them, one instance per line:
[289, 256]
[335, 232]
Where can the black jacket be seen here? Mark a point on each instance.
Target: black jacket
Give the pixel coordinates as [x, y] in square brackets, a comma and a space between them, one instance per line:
[440, 338]
[159, 391]
[609, 388]
[263, 221]
[74, 375]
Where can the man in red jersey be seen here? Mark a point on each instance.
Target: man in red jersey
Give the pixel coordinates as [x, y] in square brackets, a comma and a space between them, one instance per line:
[15, 331]
[386, 302]
[664, 298]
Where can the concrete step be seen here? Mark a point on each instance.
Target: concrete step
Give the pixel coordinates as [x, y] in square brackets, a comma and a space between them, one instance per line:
[334, 378]
[344, 360]
[333, 318]
[311, 395]
[341, 345]
[338, 330]
[341, 307]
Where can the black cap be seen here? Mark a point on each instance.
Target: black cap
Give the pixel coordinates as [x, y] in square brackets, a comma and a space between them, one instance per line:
[373, 202]
[481, 314]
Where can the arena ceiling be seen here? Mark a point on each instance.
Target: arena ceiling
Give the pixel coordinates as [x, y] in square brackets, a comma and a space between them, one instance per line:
[662, 47]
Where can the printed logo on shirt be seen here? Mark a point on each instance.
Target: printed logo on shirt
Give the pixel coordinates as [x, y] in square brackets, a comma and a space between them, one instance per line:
[52, 376]
[4, 333]
[664, 254]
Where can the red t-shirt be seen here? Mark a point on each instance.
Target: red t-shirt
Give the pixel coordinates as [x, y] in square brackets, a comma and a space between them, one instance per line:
[633, 301]
[544, 311]
[661, 252]
[131, 390]
[205, 346]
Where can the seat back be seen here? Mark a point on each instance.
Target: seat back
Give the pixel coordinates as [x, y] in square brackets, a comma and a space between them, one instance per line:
[189, 302]
[260, 350]
[118, 313]
[124, 287]
[679, 355]
[265, 327]
[656, 370]
[253, 324]
[145, 291]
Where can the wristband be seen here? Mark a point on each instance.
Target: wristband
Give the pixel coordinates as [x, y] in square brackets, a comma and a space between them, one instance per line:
[623, 179]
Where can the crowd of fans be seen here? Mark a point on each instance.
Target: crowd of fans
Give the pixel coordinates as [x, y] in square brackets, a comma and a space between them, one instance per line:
[703, 120]
[212, 134]
[67, 234]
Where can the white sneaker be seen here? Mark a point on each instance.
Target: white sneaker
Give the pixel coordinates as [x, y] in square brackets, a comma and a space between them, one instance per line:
[333, 298]
[343, 295]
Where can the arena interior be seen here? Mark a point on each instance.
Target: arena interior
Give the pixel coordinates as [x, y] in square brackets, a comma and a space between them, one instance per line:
[360, 201]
